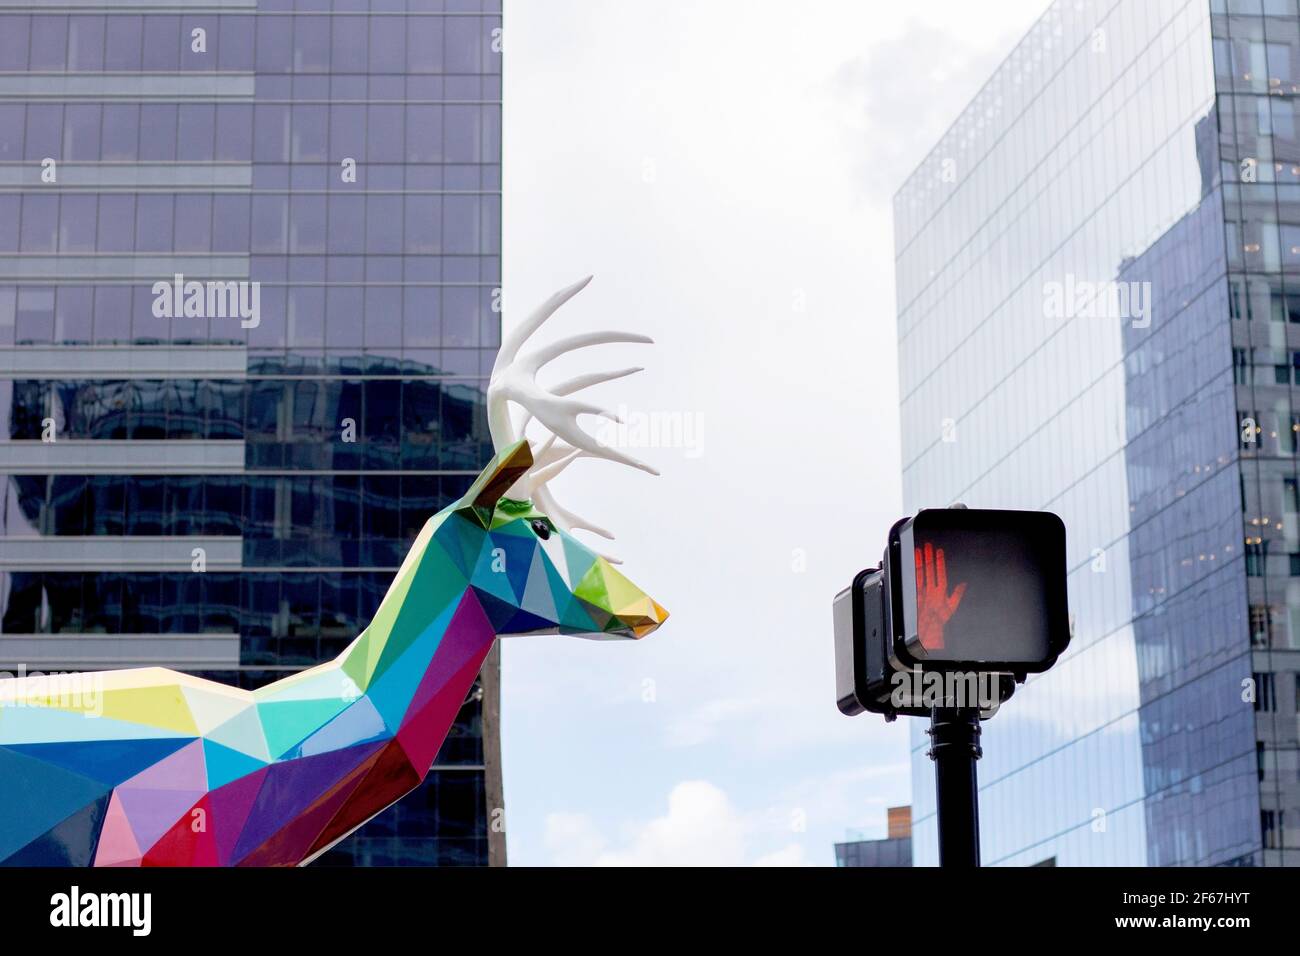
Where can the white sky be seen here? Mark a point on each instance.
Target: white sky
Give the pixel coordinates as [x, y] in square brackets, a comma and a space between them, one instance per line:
[725, 169]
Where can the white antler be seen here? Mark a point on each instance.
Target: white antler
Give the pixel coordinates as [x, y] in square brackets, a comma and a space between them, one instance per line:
[514, 379]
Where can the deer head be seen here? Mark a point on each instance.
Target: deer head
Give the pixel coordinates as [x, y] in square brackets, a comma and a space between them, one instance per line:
[534, 575]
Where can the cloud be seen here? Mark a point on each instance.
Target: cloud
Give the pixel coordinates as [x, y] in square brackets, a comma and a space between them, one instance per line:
[573, 839]
[704, 723]
[901, 94]
[701, 828]
[853, 797]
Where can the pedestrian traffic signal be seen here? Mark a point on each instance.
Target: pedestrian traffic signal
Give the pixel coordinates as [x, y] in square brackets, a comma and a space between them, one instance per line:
[978, 590]
[862, 668]
[960, 593]
[866, 679]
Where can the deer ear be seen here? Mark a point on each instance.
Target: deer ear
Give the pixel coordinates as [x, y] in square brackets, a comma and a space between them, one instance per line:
[501, 472]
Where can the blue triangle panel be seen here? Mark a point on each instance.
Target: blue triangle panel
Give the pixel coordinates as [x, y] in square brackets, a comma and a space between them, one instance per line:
[498, 611]
[518, 559]
[108, 761]
[70, 843]
[36, 796]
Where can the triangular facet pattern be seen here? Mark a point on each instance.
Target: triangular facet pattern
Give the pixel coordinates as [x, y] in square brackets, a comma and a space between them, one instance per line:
[150, 767]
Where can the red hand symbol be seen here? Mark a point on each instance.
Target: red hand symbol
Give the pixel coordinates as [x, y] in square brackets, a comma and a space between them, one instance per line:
[934, 605]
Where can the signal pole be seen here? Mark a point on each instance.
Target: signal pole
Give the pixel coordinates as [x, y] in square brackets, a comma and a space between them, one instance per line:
[954, 748]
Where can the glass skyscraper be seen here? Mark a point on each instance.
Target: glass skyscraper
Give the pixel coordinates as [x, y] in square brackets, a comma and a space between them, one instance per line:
[1098, 272]
[249, 262]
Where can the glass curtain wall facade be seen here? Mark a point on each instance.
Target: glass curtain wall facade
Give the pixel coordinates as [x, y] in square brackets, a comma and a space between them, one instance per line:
[1090, 303]
[1257, 60]
[226, 483]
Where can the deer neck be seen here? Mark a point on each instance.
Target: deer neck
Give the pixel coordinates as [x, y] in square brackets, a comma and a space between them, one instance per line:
[418, 658]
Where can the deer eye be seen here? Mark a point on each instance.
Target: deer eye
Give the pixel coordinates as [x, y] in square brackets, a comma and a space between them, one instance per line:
[541, 528]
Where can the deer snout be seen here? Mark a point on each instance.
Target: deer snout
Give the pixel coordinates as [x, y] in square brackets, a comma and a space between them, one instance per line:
[655, 615]
[635, 613]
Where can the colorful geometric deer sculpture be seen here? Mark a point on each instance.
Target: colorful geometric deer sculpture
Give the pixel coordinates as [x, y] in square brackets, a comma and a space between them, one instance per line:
[157, 768]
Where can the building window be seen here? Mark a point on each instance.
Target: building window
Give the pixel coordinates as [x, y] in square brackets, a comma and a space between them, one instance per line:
[1246, 421]
[1236, 294]
[1260, 626]
[1283, 427]
[1254, 559]
[1276, 306]
[1265, 692]
[1268, 824]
